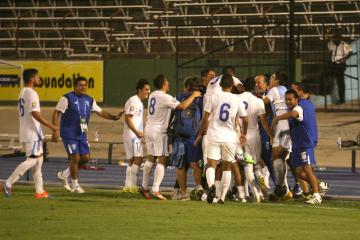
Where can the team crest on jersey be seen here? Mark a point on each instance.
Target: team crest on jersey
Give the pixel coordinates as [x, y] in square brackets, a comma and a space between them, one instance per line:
[303, 156]
[34, 104]
[73, 147]
[87, 103]
[132, 108]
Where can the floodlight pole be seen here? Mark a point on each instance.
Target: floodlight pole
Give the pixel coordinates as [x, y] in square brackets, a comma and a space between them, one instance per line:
[291, 41]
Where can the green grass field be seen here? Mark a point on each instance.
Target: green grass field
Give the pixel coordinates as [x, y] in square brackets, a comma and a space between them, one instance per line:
[110, 214]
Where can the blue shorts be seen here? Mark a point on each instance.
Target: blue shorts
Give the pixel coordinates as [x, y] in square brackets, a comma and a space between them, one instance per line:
[190, 154]
[302, 156]
[74, 146]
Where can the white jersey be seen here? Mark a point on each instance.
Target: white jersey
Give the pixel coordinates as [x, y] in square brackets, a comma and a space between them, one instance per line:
[134, 107]
[254, 108]
[159, 109]
[224, 107]
[276, 95]
[214, 87]
[30, 128]
[63, 104]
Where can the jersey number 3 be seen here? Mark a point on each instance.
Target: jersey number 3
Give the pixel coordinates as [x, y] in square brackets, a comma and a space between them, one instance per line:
[224, 113]
[152, 106]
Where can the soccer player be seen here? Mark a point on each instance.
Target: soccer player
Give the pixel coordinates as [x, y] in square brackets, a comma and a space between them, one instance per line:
[134, 133]
[75, 109]
[299, 117]
[220, 127]
[31, 135]
[159, 109]
[186, 125]
[282, 142]
[255, 110]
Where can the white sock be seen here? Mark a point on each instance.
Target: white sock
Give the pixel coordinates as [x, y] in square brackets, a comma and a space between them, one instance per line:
[66, 172]
[146, 174]
[210, 176]
[246, 184]
[37, 175]
[158, 177]
[280, 171]
[241, 191]
[266, 175]
[128, 177]
[20, 170]
[251, 179]
[134, 171]
[258, 172]
[74, 183]
[218, 188]
[225, 184]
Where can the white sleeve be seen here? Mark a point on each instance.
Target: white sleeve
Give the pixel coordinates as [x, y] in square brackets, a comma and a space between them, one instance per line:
[271, 95]
[300, 111]
[34, 103]
[62, 105]
[237, 81]
[95, 107]
[208, 105]
[331, 46]
[242, 111]
[170, 101]
[261, 108]
[129, 107]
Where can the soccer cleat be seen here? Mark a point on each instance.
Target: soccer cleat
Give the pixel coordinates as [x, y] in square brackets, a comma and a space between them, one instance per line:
[126, 190]
[314, 200]
[262, 184]
[287, 196]
[41, 195]
[63, 180]
[145, 193]
[158, 196]
[297, 190]
[175, 195]
[279, 192]
[134, 190]
[324, 187]
[211, 194]
[184, 197]
[6, 190]
[77, 189]
[304, 197]
[221, 202]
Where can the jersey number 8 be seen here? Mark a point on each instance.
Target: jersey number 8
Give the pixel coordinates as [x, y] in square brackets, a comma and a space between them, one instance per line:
[21, 107]
[152, 106]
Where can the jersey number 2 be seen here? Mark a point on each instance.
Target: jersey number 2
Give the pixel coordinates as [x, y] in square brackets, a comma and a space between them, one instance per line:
[224, 113]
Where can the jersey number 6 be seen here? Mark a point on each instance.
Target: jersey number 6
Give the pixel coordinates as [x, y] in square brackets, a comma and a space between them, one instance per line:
[224, 113]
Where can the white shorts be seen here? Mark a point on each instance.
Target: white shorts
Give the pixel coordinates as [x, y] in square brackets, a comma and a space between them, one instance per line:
[33, 148]
[282, 135]
[133, 147]
[156, 142]
[221, 151]
[204, 148]
[253, 145]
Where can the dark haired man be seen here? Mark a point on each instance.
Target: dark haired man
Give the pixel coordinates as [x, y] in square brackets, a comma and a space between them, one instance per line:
[133, 133]
[159, 109]
[302, 156]
[221, 133]
[75, 109]
[30, 136]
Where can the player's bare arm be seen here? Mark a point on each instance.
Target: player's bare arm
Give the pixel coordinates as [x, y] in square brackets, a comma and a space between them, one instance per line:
[109, 116]
[245, 123]
[129, 122]
[186, 103]
[203, 128]
[291, 114]
[56, 122]
[43, 121]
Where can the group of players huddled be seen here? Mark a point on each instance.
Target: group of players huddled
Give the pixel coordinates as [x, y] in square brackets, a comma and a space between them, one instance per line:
[234, 135]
